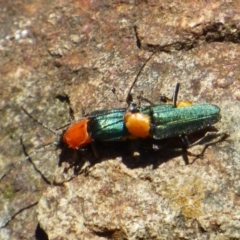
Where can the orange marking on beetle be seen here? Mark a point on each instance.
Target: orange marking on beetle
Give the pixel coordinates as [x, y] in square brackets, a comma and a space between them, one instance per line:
[77, 135]
[138, 124]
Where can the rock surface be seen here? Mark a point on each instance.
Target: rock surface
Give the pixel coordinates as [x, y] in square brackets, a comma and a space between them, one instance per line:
[56, 52]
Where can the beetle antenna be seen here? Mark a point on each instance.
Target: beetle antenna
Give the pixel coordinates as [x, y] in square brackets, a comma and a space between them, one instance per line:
[137, 76]
[129, 98]
[40, 123]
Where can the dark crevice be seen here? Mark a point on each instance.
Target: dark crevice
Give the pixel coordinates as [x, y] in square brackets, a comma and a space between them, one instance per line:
[5, 174]
[216, 32]
[18, 212]
[28, 158]
[112, 234]
[106, 234]
[65, 98]
[138, 42]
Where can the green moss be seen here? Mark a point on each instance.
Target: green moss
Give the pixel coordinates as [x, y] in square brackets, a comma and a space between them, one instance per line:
[8, 192]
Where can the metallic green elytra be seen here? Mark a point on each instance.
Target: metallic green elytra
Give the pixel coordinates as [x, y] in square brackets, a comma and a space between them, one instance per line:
[166, 121]
[107, 125]
[169, 121]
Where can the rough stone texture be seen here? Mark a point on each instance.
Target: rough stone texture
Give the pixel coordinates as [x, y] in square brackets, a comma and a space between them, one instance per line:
[54, 50]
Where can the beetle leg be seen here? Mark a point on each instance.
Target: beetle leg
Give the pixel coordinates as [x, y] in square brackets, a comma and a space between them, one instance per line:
[210, 138]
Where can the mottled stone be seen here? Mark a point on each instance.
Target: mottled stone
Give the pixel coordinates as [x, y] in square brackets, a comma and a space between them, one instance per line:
[53, 52]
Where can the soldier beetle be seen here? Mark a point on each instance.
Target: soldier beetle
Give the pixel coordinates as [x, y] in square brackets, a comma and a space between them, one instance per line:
[170, 118]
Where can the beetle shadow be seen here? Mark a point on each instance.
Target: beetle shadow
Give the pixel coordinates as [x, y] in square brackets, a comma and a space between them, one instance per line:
[134, 153]
[154, 153]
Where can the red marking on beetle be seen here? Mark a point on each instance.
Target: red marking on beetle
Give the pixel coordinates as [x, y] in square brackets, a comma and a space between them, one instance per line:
[77, 135]
[137, 124]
